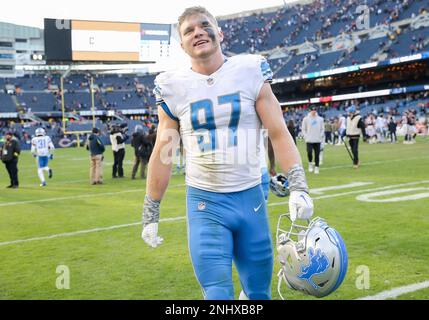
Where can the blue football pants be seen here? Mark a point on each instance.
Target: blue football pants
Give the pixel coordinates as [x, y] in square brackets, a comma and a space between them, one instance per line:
[226, 227]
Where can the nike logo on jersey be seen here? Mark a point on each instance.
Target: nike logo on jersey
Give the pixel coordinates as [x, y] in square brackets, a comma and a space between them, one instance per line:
[257, 208]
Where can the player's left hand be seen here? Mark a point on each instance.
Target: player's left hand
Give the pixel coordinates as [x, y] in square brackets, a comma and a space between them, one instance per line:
[51, 156]
[34, 155]
[300, 205]
[150, 235]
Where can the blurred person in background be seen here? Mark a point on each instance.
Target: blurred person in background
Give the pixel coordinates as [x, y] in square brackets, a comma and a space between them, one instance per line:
[118, 137]
[142, 150]
[292, 130]
[96, 147]
[392, 130]
[9, 155]
[313, 130]
[355, 127]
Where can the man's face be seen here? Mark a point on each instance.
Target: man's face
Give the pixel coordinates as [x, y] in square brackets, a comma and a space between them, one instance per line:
[200, 36]
[8, 137]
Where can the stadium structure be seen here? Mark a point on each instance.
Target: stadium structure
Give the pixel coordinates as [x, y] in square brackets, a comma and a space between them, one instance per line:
[373, 54]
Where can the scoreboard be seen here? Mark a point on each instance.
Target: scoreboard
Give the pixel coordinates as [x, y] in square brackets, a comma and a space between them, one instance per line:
[105, 41]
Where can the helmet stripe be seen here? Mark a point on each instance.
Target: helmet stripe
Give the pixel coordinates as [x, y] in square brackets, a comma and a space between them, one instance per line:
[343, 256]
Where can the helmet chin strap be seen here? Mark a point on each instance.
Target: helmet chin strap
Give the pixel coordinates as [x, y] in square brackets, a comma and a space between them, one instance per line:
[281, 277]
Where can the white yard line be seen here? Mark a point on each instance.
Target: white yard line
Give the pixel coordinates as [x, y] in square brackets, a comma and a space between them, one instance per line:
[343, 186]
[395, 292]
[364, 164]
[167, 219]
[356, 191]
[388, 294]
[70, 234]
[6, 204]
[92, 195]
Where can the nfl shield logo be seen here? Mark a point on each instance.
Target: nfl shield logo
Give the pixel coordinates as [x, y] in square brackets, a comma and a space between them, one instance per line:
[210, 81]
[201, 205]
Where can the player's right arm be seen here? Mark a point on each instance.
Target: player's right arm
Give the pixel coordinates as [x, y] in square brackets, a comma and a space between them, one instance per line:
[158, 175]
[286, 152]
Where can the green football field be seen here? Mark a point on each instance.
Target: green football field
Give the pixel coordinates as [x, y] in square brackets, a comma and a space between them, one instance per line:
[92, 233]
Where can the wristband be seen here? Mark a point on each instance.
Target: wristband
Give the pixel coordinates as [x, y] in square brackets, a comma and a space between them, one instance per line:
[150, 210]
[296, 179]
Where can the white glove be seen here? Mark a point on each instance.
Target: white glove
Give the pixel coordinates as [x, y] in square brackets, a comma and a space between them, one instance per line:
[150, 235]
[300, 205]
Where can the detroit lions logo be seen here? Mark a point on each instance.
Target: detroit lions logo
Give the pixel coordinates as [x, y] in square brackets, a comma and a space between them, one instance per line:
[318, 264]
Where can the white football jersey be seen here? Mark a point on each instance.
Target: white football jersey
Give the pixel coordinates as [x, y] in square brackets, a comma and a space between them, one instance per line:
[40, 145]
[219, 125]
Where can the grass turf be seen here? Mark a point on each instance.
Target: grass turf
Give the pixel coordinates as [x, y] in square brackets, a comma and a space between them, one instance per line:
[390, 238]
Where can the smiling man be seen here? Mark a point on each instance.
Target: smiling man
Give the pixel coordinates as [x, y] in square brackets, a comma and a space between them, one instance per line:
[218, 108]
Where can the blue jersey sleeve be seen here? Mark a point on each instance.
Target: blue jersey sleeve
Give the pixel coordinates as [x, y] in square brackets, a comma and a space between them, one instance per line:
[266, 72]
[162, 98]
[262, 73]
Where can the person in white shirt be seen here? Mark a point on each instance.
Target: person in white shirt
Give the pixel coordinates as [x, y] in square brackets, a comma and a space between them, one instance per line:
[117, 139]
[355, 128]
[313, 130]
[380, 124]
[41, 147]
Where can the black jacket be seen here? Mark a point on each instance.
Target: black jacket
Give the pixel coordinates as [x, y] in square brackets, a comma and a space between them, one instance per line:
[95, 145]
[142, 145]
[10, 150]
[392, 126]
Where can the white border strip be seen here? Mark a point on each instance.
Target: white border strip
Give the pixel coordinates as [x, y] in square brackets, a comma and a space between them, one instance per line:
[69, 234]
[395, 292]
[6, 204]
[356, 191]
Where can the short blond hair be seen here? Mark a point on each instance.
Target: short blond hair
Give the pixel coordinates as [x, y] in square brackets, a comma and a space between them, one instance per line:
[192, 11]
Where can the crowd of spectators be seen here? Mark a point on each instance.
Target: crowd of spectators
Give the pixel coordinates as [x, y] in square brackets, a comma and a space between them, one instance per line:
[416, 104]
[111, 93]
[253, 31]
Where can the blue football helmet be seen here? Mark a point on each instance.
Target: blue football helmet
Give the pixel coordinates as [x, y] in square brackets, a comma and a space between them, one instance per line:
[313, 258]
[279, 185]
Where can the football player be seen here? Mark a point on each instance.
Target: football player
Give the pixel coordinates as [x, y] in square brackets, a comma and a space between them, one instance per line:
[218, 107]
[41, 147]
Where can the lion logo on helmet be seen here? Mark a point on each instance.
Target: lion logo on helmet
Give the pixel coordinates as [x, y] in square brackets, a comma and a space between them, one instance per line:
[318, 264]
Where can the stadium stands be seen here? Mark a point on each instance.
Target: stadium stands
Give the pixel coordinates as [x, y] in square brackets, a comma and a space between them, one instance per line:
[115, 92]
[300, 38]
[290, 26]
[410, 42]
[6, 103]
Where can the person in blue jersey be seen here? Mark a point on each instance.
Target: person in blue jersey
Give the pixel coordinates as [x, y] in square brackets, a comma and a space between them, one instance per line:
[218, 107]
